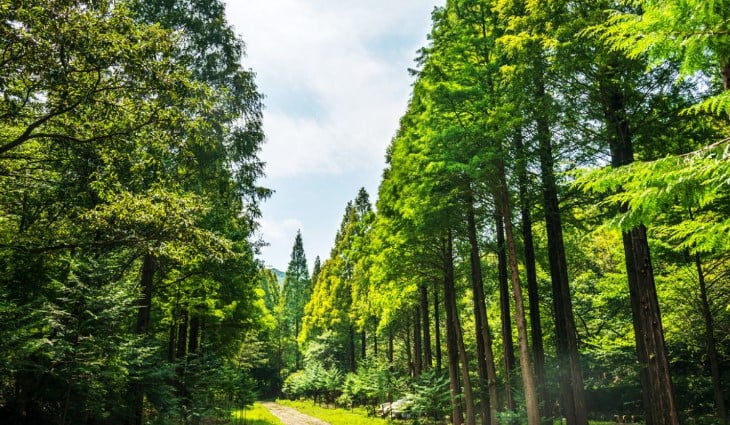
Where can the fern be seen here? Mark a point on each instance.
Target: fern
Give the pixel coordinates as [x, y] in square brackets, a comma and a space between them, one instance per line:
[715, 105]
[698, 181]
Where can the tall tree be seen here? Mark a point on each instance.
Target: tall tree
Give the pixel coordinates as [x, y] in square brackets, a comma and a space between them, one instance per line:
[296, 293]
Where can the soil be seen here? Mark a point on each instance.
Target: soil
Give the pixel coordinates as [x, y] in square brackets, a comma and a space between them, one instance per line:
[291, 416]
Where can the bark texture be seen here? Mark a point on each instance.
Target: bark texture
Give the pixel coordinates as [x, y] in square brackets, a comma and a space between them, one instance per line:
[505, 314]
[457, 416]
[528, 377]
[485, 357]
[660, 406]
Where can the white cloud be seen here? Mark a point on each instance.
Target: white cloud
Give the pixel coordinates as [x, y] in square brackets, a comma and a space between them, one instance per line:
[279, 230]
[336, 53]
[279, 234]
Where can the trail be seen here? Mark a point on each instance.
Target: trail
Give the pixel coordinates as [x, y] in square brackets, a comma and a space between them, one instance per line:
[291, 416]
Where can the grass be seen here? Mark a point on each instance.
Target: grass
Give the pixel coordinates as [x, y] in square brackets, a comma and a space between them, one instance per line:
[357, 416]
[335, 416]
[256, 415]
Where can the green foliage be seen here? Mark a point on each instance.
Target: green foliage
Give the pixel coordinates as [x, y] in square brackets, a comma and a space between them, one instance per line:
[695, 185]
[315, 382]
[119, 146]
[369, 386]
[430, 396]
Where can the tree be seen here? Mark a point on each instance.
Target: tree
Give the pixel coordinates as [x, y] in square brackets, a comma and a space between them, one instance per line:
[296, 292]
[110, 138]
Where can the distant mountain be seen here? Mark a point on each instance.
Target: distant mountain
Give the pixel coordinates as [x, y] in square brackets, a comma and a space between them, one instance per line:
[279, 275]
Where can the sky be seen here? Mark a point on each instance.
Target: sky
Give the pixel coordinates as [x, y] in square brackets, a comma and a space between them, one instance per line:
[335, 78]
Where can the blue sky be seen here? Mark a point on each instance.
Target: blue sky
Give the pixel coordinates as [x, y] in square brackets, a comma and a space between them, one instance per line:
[335, 77]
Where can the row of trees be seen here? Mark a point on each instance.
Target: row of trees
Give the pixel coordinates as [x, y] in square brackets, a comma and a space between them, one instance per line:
[129, 134]
[554, 208]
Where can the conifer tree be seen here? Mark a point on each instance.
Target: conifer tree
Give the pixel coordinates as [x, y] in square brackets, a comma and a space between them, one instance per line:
[296, 292]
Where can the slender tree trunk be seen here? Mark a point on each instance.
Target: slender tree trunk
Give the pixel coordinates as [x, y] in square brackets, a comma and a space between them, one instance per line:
[409, 353]
[464, 360]
[351, 349]
[194, 334]
[142, 328]
[437, 328]
[417, 346]
[457, 417]
[657, 390]
[505, 314]
[566, 337]
[171, 341]
[485, 357]
[390, 346]
[533, 292]
[375, 344]
[182, 335]
[363, 345]
[528, 377]
[427, 353]
[181, 355]
[146, 283]
[712, 356]
[725, 72]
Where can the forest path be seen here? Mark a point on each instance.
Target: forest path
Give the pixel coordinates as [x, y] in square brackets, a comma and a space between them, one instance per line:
[290, 416]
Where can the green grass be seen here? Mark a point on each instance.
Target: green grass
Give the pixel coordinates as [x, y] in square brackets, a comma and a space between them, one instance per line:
[256, 415]
[335, 416]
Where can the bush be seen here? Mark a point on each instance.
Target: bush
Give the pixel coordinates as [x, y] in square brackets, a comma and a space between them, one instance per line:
[315, 382]
[368, 386]
[430, 396]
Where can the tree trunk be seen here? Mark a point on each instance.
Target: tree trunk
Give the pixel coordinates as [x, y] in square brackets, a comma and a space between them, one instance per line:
[464, 360]
[363, 345]
[725, 72]
[146, 284]
[180, 370]
[485, 356]
[437, 328]
[390, 346]
[171, 341]
[194, 334]
[657, 390]
[712, 356]
[417, 348]
[409, 353]
[375, 344]
[533, 293]
[566, 337]
[426, 323]
[182, 335]
[351, 349]
[457, 417]
[528, 377]
[505, 315]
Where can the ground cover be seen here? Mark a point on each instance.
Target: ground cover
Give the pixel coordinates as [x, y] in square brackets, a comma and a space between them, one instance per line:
[337, 416]
[255, 415]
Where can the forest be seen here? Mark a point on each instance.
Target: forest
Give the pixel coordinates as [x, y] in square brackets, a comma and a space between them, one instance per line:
[550, 240]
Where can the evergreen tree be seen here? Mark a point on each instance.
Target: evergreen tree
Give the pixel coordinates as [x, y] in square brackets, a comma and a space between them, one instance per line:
[296, 293]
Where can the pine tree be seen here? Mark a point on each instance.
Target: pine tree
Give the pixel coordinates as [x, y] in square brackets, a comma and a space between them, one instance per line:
[296, 292]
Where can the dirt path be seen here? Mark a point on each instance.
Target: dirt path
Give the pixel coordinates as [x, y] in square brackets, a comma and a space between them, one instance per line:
[292, 416]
